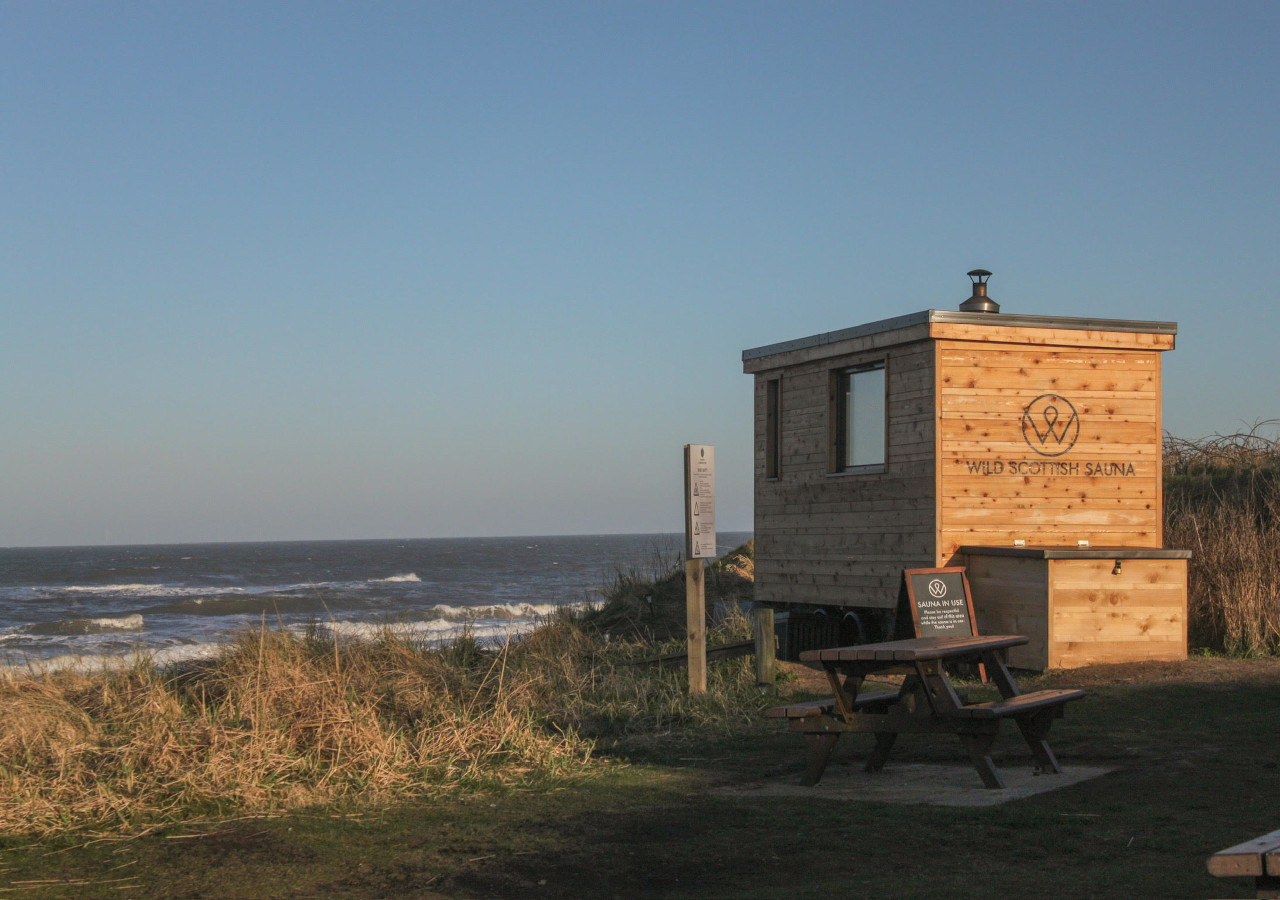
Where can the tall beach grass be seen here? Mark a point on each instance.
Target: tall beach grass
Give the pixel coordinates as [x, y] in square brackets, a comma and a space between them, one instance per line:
[282, 721]
[1222, 502]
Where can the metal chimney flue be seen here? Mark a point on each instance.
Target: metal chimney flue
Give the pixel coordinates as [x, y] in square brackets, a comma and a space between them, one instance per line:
[979, 301]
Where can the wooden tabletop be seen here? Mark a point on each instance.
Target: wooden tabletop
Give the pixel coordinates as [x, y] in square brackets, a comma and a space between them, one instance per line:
[1258, 857]
[915, 649]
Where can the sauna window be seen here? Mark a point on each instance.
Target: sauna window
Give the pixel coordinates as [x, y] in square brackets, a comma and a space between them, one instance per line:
[772, 429]
[859, 419]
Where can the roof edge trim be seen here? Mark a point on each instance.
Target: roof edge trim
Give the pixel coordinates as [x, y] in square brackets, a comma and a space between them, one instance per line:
[961, 318]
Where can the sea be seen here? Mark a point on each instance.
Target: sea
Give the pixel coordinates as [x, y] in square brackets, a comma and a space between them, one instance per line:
[82, 606]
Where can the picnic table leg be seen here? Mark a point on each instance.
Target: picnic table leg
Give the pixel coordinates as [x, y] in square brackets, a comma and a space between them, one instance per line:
[820, 747]
[1267, 886]
[999, 673]
[1035, 731]
[936, 689]
[880, 755]
[845, 693]
[979, 747]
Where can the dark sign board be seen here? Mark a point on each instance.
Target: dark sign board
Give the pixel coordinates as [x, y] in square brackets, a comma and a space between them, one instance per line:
[939, 603]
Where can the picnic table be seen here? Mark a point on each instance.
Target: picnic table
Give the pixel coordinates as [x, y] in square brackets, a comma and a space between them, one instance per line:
[927, 702]
[1259, 858]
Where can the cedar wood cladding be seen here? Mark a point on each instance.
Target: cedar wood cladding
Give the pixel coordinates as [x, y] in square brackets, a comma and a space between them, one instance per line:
[843, 539]
[983, 389]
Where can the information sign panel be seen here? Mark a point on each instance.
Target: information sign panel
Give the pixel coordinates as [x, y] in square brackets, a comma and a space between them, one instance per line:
[939, 603]
[700, 501]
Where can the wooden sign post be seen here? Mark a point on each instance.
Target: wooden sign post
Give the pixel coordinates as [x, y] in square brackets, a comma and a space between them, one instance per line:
[700, 544]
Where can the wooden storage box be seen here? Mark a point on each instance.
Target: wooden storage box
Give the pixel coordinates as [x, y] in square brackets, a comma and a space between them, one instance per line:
[1096, 605]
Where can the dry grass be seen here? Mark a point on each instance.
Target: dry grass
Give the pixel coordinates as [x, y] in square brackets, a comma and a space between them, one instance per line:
[280, 721]
[647, 601]
[1222, 501]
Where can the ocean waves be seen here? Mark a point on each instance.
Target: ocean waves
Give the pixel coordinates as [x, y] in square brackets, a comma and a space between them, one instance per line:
[86, 644]
[174, 602]
[187, 627]
[162, 589]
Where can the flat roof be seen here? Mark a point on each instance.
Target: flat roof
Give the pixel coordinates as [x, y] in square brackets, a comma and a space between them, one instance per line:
[962, 318]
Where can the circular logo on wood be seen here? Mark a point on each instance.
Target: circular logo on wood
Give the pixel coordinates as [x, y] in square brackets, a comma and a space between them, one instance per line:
[938, 587]
[1050, 425]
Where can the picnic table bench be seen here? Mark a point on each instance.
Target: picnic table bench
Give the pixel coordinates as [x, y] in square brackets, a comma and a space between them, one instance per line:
[927, 702]
[1259, 858]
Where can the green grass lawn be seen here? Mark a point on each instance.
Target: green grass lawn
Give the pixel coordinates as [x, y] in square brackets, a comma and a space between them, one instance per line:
[1195, 745]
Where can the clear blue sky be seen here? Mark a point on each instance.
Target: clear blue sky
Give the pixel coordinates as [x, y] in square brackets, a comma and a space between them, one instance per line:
[341, 270]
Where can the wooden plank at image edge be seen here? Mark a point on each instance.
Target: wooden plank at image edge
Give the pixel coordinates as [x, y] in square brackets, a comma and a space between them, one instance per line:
[1246, 858]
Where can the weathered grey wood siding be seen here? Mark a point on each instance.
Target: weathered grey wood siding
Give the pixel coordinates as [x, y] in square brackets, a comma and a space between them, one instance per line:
[843, 539]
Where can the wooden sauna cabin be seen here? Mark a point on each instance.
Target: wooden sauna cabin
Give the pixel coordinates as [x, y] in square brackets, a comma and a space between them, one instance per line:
[1027, 448]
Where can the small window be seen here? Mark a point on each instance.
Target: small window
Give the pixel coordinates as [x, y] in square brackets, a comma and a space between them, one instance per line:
[859, 420]
[772, 429]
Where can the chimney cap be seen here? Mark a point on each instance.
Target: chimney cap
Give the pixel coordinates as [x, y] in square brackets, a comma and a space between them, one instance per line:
[979, 301]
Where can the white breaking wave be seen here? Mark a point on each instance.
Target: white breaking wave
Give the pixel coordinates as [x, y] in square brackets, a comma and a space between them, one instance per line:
[145, 590]
[500, 611]
[123, 623]
[100, 625]
[162, 591]
[163, 656]
[434, 630]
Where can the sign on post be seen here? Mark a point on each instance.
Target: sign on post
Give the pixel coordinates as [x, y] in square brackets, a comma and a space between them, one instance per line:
[700, 544]
[700, 501]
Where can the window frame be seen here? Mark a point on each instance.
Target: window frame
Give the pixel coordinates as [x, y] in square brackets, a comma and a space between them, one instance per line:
[773, 429]
[842, 382]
